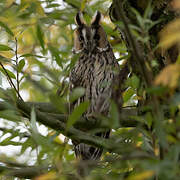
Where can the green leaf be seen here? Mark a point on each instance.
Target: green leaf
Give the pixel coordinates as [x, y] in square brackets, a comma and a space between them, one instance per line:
[4, 59]
[6, 28]
[55, 53]
[10, 74]
[128, 94]
[52, 5]
[77, 93]
[21, 65]
[24, 76]
[114, 121]
[77, 113]
[37, 137]
[135, 82]
[76, 3]
[28, 143]
[40, 36]
[31, 55]
[149, 119]
[33, 121]
[158, 90]
[5, 48]
[83, 4]
[149, 10]
[140, 20]
[7, 142]
[59, 102]
[9, 115]
[0, 78]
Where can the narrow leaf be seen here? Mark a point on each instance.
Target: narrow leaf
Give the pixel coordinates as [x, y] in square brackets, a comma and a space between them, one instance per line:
[77, 113]
[135, 81]
[52, 5]
[148, 11]
[6, 143]
[31, 55]
[9, 115]
[5, 48]
[10, 74]
[59, 102]
[77, 93]
[40, 36]
[0, 78]
[33, 121]
[21, 65]
[6, 28]
[128, 94]
[4, 59]
[55, 53]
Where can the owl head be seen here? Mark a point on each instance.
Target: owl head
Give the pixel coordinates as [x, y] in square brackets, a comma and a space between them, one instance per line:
[89, 38]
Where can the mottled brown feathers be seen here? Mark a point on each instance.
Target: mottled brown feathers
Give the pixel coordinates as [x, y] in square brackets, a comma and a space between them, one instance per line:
[95, 72]
[77, 43]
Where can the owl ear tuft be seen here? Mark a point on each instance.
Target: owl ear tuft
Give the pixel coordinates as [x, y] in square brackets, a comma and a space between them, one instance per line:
[96, 18]
[79, 19]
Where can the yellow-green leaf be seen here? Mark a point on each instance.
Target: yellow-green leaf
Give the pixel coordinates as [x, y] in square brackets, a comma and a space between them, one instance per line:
[6, 71]
[7, 29]
[141, 176]
[77, 113]
[169, 76]
[21, 65]
[128, 94]
[5, 48]
[40, 36]
[170, 35]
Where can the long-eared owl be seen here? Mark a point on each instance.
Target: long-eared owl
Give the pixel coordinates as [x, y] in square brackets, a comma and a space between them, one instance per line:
[95, 72]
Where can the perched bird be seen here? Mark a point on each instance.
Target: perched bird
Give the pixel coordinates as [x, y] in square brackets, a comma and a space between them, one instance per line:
[95, 71]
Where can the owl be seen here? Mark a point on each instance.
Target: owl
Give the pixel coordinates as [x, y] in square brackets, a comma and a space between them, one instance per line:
[94, 71]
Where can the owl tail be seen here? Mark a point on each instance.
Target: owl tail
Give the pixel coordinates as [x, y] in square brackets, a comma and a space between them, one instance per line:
[88, 155]
[88, 152]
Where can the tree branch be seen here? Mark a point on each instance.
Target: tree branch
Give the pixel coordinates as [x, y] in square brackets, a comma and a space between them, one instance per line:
[58, 122]
[138, 57]
[126, 115]
[24, 172]
[10, 81]
[75, 134]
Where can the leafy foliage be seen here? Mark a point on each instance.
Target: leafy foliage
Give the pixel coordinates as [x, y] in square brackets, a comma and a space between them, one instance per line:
[36, 41]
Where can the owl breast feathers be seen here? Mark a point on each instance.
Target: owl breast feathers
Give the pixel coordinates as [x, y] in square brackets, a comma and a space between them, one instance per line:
[94, 71]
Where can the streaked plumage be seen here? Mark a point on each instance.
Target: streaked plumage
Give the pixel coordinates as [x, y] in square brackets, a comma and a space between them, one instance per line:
[95, 72]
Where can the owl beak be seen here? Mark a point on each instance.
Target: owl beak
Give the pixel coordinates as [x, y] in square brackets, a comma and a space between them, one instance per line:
[89, 45]
[87, 39]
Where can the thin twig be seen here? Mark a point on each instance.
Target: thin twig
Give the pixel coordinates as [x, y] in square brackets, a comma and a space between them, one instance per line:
[17, 73]
[10, 81]
[137, 56]
[148, 77]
